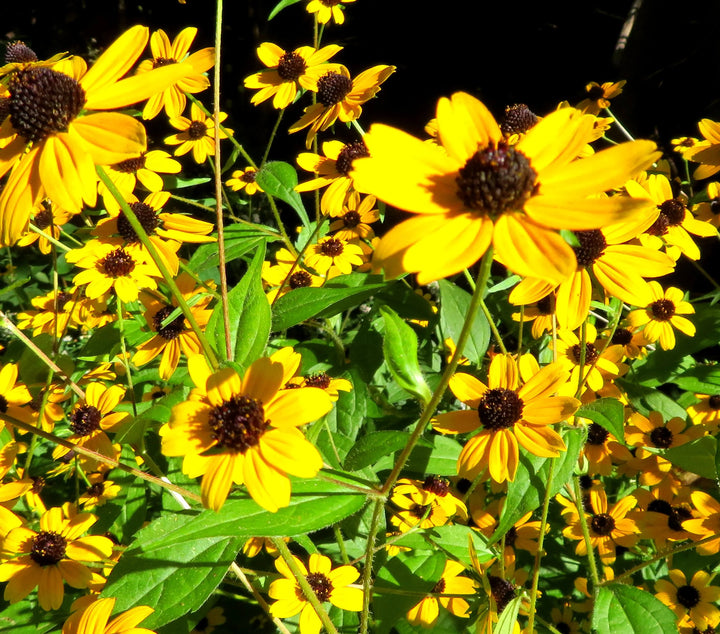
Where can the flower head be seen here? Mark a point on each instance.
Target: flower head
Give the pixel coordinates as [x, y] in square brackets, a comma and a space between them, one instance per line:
[693, 599]
[93, 617]
[327, 10]
[244, 180]
[198, 133]
[662, 314]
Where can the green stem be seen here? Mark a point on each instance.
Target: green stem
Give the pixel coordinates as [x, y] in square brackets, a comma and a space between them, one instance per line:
[358, 127]
[164, 271]
[370, 550]
[272, 137]
[304, 585]
[48, 237]
[493, 327]
[341, 544]
[581, 363]
[124, 354]
[586, 536]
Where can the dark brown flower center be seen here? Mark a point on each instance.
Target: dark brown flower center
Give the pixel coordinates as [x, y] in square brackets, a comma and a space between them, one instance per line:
[495, 179]
[291, 66]
[333, 88]
[131, 165]
[708, 630]
[146, 215]
[332, 247]
[714, 401]
[661, 437]
[662, 309]
[117, 263]
[602, 524]
[43, 218]
[197, 130]
[96, 490]
[249, 176]
[585, 482]
[48, 548]
[320, 379]
[174, 329]
[546, 305]
[419, 510]
[503, 591]
[592, 246]
[330, 3]
[518, 119]
[85, 420]
[674, 210]
[38, 484]
[348, 154]
[591, 353]
[437, 485]
[660, 506]
[595, 92]
[300, 279]
[511, 536]
[158, 393]
[563, 628]
[463, 485]
[321, 585]
[678, 515]
[351, 219]
[597, 434]
[500, 408]
[688, 596]
[61, 299]
[43, 102]
[238, 424]
[622, 336]
[660, 226]
[163, 61]
[19, 53]
[439, 587]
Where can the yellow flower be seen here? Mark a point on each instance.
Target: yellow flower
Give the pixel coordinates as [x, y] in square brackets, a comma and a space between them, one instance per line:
[91, 616]
[694, 599]
[354, 219]
[49, 218]
[51, 556]
[328, 585]
[244, 430]
[707, 411]
[340, 97]
[450, 583]
[99, 492]
[327, 10]
[244, 179]
[707, 525]
[598, 97]
[287, 275]
[14, 396]
[164, 53]
[569, 352]
[707, 151]
[289, 71]
[54, 112]
[453, 190]
[659, 316]
[333, 257]
[197, 133]
[505, 413]
[709, 211]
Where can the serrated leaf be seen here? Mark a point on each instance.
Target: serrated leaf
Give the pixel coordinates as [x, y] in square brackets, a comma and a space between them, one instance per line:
[239, 240]
[279, 179]
[438, 455]
[609, 413]
[339, 294]
[373, 446]
[249, 317]
[280, 6]
[697, 456]
[454, 306]
[527, 491]
[621, 609]
[400, 346]
[180, 558]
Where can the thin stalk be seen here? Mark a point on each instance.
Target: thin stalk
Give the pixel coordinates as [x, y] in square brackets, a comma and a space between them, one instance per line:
[520, 329]
[272, 137]
[581, 363]
[237, 571]
[304, 585]
[620, 126]
[586, 536]
[341, 544]
[48, 237]
[366, 579]
[124, 354]
[539, 553]
[164, 271]
[493, 327]
[358, 127]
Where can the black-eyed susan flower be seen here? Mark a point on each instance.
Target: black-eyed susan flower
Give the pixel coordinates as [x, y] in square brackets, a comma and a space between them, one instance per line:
[107, 265]
[598, 365]
[91, 615]
[694, 599]
[706, 411]
[353, 222]
[706, 523]
[453, 190]
[333, 170]
[244, 180]
[99, 492]
[331, 256]
[197, 134]
[287, 274]
[14, 395]
[327, 584]
[685, 146]
[48, 218]
[50, 557]
[57, 112]
[326, 10]
[540, 314]
[609, 526]
[244, 430]
[511, 409]
[451, 583]
[601, 450]
[599, 96]
[145, 168]
[660, 517]
[288, 72]
[709, 211]
[659, 317]
[324, 381]
[164, 53]
[707, 151]
[339, 97]
[427, 503]
[565, 620]
[54, 313]
[175, 337]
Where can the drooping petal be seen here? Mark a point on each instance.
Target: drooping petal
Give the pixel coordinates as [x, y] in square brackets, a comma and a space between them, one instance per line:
[110, 137]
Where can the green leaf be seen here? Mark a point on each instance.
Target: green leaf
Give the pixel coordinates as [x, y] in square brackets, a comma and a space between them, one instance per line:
[453, 539]
[249, 317]
[172, 181]
[646, 400]
[621, 609]
[527, 491]
[179, 559]
[239, 240]
[280, 6]
[438, 455]
[279, 179]
[454, 306]
[400, 346]
[339, 294]
[373, 446]
[21, 618]
[608, 413]
[704, 379]
[508, 618]
[697, 456]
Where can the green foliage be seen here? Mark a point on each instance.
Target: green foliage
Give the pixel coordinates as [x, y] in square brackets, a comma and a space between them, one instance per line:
[622, 609]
